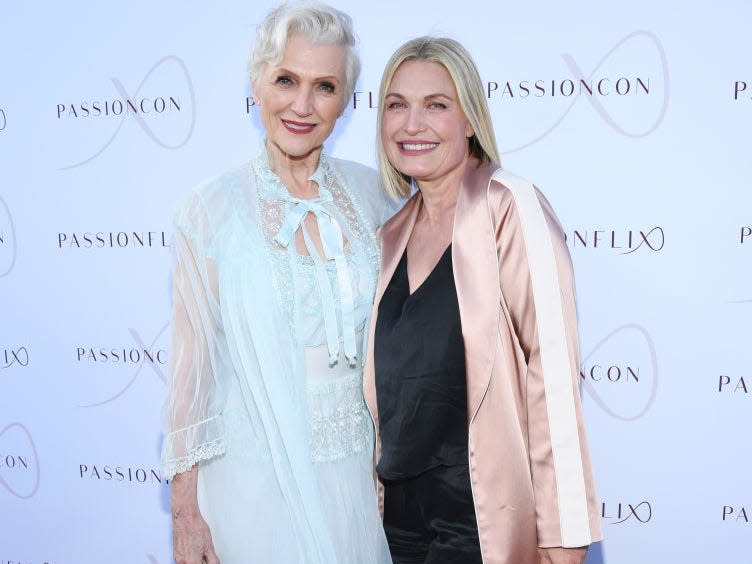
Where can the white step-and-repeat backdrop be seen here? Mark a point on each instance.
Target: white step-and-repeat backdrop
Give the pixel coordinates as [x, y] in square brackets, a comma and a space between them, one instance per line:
[633, 117]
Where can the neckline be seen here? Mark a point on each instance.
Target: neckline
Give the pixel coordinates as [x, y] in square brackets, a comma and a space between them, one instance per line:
[447, 252]
[270, 183]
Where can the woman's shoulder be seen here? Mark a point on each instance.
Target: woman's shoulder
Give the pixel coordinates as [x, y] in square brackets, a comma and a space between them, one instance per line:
[505, 187]
[359, 179]
[209, 202]
[510, 193]
[364, 185]
[353, 168]
[404, 209]
[219, 187]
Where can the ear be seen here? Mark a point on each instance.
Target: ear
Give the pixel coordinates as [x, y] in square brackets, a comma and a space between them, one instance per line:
[469, 131]
[256, 93]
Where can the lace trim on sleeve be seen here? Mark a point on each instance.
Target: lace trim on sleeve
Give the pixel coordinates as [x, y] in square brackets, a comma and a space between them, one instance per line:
[193, 441]
[203, 452]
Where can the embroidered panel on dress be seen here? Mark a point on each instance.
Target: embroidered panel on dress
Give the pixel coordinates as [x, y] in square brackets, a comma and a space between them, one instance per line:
[340, 424]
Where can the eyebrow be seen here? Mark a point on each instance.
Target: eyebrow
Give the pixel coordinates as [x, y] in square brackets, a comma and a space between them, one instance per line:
[427, 97]
[285, 70]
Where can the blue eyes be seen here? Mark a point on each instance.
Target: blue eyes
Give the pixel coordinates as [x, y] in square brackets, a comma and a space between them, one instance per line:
[287, 82]
[438, 106]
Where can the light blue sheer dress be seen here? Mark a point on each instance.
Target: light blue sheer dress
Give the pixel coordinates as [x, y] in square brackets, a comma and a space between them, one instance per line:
[265, 390]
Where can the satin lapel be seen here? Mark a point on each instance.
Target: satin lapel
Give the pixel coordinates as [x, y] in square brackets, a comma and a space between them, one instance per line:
[394, 236]
[476, 276]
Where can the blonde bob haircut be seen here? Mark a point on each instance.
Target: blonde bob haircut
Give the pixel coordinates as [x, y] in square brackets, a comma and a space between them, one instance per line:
[460, 66]
[319, 23]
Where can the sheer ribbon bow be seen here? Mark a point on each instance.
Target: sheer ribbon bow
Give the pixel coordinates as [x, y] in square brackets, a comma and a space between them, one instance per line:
[332, 243]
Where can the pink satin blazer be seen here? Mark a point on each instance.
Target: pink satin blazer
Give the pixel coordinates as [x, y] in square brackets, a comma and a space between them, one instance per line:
[530, 470]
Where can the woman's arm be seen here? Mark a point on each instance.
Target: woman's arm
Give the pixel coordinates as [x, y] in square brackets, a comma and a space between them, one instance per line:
[199, 363]
[192, 421]
[191, 538]
[537, 284]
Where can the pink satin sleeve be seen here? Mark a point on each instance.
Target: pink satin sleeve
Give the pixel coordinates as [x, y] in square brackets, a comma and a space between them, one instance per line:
[516, 289]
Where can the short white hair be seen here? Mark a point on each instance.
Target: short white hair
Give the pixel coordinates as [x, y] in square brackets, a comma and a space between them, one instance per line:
[319, 23]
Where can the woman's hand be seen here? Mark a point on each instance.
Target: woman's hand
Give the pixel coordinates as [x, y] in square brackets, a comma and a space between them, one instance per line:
[191, 537]
[192, 543]
[562, 555]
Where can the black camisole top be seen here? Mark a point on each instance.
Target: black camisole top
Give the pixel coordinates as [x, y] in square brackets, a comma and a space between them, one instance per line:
[421, 384]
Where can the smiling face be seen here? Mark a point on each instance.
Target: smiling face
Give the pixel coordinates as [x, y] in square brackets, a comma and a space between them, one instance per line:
[300, 98]
[423, 128]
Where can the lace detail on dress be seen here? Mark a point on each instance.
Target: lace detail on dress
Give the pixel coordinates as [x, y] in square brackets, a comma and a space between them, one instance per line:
[360, 243]
[356, 219]
[340, 424]
[205, 451]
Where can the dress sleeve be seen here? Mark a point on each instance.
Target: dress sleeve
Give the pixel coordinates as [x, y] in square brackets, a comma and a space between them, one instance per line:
[537, 285]
[192, 416]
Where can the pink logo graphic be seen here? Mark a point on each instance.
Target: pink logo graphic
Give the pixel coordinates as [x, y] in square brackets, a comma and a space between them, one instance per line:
[642, 512]
[7, 240]
[139, 117]
[10, 357]
[19, 461]
[653, 242]
[578, 75]
[152, 365]
[625, 336]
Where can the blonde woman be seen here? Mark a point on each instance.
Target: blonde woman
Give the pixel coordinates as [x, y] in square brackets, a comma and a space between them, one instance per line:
[473, 372]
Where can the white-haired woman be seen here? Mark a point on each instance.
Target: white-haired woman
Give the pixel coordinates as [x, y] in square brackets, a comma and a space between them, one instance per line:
[266, 434]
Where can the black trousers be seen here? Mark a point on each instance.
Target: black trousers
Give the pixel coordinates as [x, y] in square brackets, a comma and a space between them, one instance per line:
[430, 519]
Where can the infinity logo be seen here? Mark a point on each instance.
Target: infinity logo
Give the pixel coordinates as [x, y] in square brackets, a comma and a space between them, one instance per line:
[642, 407]
[7, 240]
[579, 75]
[657, 243]
[3, 120]
[19, 462]
[18, 356]
[642, 512]
[154, 366]
[140, 119]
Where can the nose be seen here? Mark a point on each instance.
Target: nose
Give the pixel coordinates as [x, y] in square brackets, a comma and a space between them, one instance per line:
[414, 123]
[302, 105]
